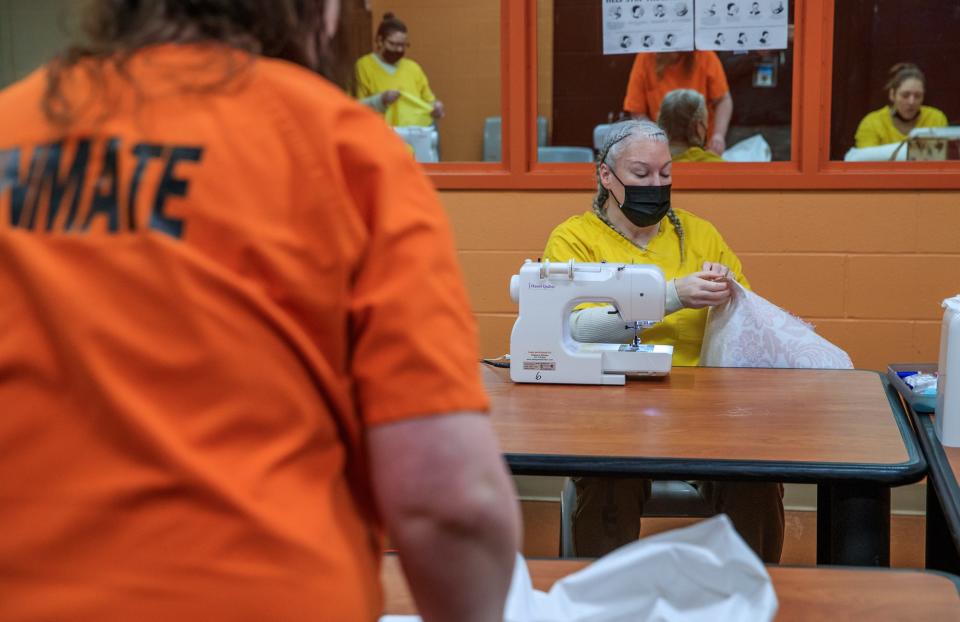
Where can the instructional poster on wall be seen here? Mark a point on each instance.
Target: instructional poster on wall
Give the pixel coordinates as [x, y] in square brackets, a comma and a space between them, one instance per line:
[631, 26]
[739, 25]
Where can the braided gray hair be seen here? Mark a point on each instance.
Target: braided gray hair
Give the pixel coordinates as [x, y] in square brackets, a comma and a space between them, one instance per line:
[679, 112]
[612, 146]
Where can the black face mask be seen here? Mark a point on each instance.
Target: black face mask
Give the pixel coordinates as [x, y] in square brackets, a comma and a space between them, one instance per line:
[391, 57]
[644, 205]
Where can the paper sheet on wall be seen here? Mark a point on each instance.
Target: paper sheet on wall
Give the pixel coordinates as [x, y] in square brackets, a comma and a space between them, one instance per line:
[631, 26]
[740, 25]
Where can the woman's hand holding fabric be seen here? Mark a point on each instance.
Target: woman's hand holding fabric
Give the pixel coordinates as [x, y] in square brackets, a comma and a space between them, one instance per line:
[707, 288]
[388, 97]
[714, 267]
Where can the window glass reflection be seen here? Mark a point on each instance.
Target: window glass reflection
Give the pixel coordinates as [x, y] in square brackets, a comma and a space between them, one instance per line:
[893, 95]
[432, 68]
[746, 96]
[31, 32]
[433, 71]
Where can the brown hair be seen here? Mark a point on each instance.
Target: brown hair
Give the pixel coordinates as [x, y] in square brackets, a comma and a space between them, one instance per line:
[666, 59]
[389, 25]
[900, 73]
[116, 29]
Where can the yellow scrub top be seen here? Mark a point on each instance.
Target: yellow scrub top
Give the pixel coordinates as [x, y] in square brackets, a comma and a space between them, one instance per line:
[416, 101]
[696, 154]
[587, 238]
[877, 128]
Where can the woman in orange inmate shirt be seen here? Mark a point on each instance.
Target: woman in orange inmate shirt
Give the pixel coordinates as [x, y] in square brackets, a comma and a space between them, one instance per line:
[655, 75]
[215, 387]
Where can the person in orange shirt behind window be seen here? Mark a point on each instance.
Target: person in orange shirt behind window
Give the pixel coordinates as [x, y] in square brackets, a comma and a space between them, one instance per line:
[220, 390]
[655, 75]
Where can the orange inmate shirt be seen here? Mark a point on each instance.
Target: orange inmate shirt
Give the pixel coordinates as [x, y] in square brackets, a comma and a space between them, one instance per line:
[207, 295]
[645, 91]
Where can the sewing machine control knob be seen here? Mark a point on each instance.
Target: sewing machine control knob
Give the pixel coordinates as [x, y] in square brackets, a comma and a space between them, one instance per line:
[515, 288]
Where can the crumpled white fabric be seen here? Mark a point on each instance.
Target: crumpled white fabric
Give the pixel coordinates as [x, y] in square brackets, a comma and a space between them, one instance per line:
[701, 573]
[752, 149]
[749, 331]
[877, 153]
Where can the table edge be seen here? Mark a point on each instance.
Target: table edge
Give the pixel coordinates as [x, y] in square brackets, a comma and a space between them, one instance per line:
[944, 481]
[894, 474]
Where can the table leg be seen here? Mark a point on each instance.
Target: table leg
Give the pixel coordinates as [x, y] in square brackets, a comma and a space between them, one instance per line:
[823, 524]
[853, 524]
[941, 554]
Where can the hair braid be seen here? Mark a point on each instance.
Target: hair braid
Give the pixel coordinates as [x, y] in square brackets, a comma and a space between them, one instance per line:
[675, 221]
[600, 201]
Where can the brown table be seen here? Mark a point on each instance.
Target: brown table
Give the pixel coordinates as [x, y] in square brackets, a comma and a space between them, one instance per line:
[844, 430]
[804, 593]
[943, 496]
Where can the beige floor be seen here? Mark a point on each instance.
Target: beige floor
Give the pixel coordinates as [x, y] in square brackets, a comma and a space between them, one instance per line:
[541, 522]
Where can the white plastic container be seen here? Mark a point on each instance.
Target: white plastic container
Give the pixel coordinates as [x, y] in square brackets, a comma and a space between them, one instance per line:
[948, 382]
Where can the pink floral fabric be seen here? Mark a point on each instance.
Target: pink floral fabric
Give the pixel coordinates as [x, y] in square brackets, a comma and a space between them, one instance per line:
[750, 331]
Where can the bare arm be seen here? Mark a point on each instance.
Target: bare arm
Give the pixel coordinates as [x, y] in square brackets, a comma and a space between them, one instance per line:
[450, 508]
[723, 110]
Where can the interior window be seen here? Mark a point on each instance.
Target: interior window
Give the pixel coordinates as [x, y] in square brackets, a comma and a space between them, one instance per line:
[583, 90]
[445, 103]
[31, 32]
[456, 47]
[891, 77]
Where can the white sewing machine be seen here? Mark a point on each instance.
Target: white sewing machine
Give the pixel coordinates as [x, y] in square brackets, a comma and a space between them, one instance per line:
[541, 347]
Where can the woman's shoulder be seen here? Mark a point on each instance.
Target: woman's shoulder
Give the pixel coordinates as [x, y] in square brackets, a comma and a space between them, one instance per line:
[876, 116]
[706, 58]
[366, 60]
[290, 80]
[698, 154]
[577, 225]
[932, 117]
[695, 225]
[408, 64]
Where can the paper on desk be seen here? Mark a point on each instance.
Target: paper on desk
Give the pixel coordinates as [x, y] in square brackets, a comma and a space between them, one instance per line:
[701, 573]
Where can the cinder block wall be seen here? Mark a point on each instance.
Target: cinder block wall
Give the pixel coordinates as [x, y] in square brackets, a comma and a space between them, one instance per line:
[868, 269]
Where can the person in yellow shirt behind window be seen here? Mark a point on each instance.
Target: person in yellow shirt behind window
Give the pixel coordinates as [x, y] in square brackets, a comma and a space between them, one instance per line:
[683, 116]
[891, 124]
[394, 85]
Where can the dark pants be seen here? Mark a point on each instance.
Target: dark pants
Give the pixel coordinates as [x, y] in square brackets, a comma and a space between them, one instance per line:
[608, 510]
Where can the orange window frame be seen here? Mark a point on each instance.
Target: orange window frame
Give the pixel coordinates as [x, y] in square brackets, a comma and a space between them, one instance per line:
[810, 167]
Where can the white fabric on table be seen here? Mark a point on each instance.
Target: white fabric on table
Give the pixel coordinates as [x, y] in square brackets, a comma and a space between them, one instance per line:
[750, 331]
[701, 573]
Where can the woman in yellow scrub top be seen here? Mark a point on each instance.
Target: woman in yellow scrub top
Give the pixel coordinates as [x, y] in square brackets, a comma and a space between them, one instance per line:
[892, 123]
[683, 116]
[632, 222]
[394, 85]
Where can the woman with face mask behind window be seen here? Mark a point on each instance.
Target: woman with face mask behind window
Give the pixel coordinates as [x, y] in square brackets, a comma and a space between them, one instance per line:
[394, 85]
[632, 221]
